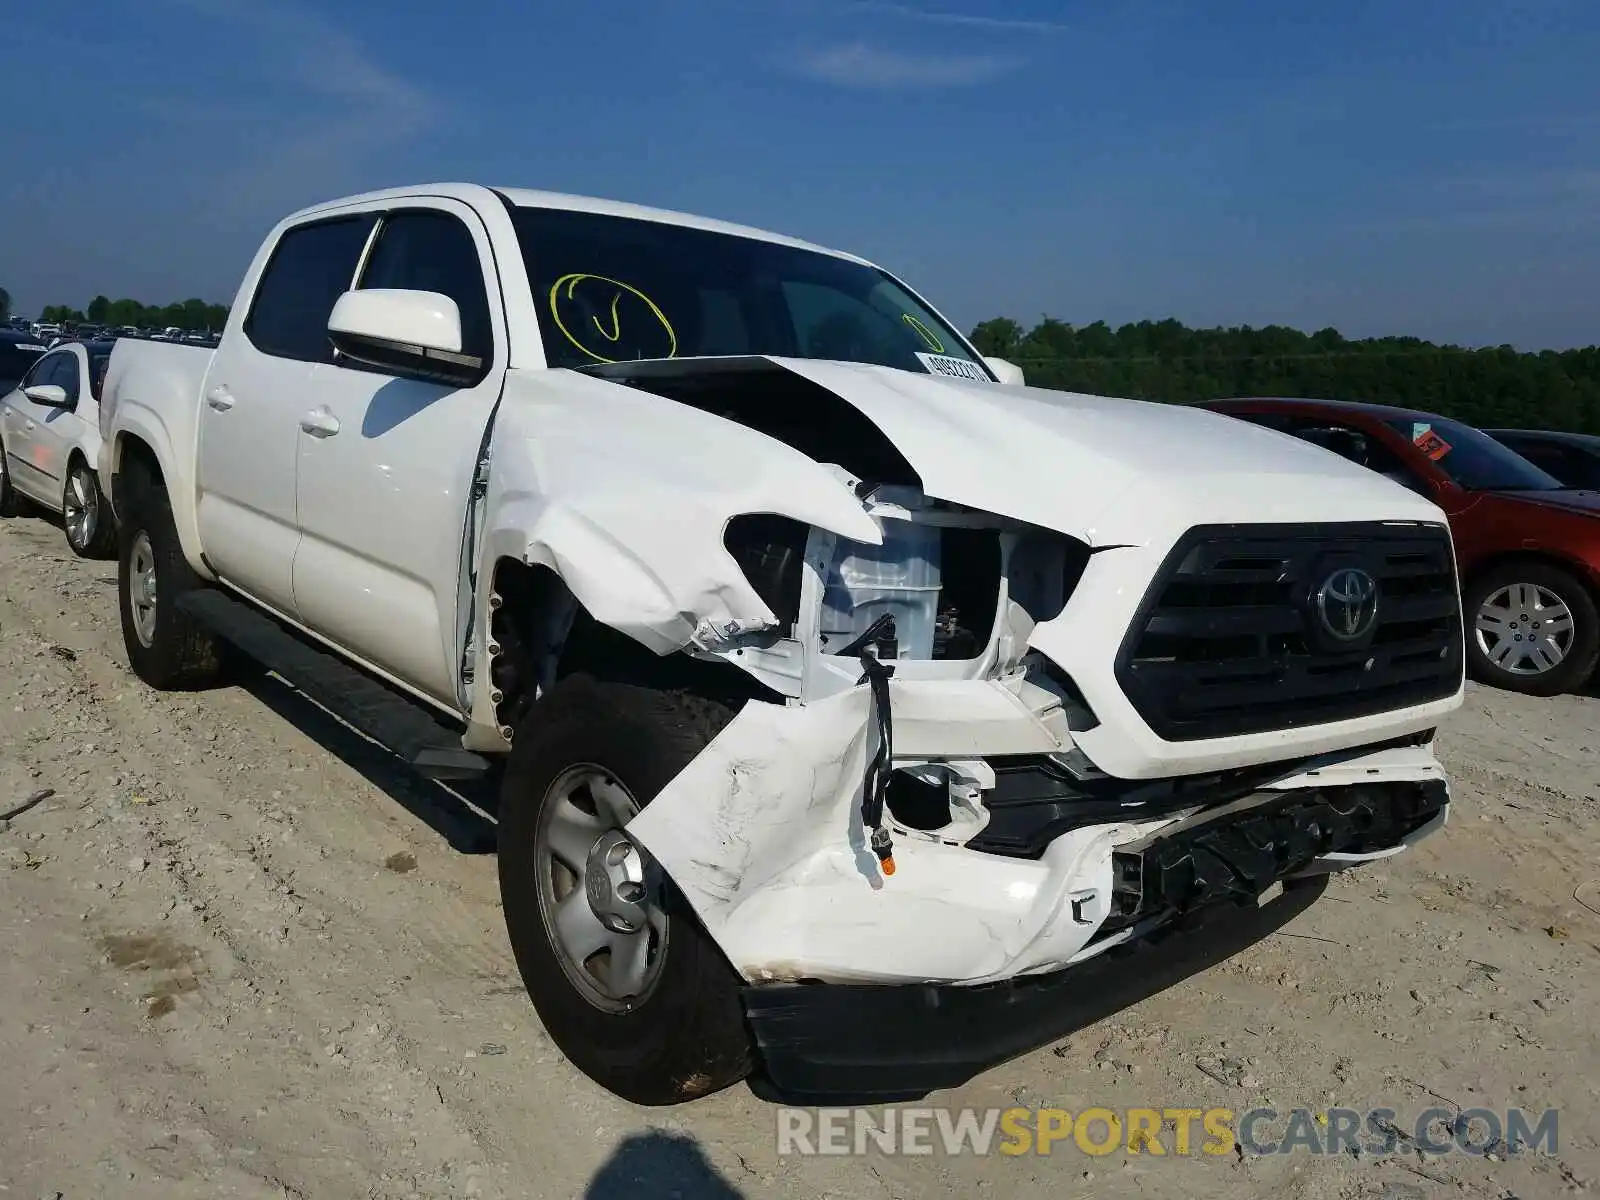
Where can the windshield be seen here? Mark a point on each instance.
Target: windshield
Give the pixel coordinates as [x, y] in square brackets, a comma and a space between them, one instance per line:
[619, 289]
[1474, 459]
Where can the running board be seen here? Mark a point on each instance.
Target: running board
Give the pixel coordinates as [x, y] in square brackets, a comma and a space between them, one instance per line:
[403, 725]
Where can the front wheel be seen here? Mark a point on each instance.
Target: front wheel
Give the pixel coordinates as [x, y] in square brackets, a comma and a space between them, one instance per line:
[626, 980]
[1532, 628]
[85, 514]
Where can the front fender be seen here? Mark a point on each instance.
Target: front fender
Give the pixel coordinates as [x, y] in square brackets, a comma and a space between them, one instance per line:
[627, 497]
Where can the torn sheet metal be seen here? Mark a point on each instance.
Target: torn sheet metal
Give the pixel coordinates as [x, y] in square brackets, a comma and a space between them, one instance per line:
[763, 834]
[627, 496]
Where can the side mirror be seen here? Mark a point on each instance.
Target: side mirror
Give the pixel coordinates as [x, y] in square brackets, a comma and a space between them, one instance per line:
[1007, 372]
[404, 332]
[51, 395]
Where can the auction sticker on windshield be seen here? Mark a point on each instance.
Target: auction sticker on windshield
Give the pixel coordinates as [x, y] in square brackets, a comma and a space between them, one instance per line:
[1429, 442]
[956, 368]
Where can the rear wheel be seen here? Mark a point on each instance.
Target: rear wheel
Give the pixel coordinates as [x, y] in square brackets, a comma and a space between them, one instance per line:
[626, 980]
[166, 648]
[85, 515]
[1532, 628]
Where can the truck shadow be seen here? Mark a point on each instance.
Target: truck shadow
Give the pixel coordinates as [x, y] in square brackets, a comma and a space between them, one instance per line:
[659, 1166]
[461, 813]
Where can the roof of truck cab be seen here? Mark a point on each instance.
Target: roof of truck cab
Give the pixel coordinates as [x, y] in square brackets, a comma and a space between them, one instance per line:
[529, 198]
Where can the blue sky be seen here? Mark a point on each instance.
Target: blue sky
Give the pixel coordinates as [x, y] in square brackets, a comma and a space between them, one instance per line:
[1385, 166]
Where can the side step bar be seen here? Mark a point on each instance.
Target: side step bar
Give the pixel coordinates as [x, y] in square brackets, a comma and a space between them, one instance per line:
[403, 725]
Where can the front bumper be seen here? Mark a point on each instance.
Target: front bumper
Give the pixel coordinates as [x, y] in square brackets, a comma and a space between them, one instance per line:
[832, 1044]
[763, 835]
[1183, 900]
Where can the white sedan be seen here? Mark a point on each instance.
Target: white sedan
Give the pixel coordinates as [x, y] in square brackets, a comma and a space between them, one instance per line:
[50, 436]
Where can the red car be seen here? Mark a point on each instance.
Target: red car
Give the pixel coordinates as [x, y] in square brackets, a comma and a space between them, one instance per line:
[1527, 548]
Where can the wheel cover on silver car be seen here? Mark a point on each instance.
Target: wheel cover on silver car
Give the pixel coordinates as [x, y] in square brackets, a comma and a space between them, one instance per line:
[142, 589]
[80, 510]
[1524, 629]
[597, 892]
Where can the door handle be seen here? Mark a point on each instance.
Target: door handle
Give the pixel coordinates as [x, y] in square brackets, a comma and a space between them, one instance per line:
[220, 398]
[319, 422]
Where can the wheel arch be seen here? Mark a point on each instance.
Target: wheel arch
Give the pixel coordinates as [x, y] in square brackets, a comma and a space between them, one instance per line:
[137, 463]
[1576, 567]
[540, 633]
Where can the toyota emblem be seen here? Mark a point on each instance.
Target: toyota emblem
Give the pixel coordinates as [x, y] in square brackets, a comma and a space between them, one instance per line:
[1347, 604]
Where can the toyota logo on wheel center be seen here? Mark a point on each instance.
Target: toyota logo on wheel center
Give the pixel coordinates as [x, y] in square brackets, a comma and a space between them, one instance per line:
[1347, 604]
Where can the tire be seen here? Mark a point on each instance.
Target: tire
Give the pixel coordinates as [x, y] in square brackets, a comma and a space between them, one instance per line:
[91, 530]
[10, 500]
[1544, 664]
[683, 1034]
[166, 649]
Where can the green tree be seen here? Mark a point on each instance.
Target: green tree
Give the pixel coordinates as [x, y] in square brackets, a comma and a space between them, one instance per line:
[5, 304]
[998, 338]
[1167, 361]
[97, 310]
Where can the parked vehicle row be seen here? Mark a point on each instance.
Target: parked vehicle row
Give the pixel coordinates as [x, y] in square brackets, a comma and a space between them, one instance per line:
[863, 717]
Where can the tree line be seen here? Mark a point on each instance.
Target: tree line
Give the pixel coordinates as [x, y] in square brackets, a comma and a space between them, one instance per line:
[185, 314]
[1166, 360]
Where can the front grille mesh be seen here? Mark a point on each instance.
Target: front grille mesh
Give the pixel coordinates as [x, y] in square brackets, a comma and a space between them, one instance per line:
[1226, 641]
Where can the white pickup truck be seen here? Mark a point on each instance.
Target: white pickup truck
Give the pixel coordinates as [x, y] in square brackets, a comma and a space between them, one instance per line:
[869, 717]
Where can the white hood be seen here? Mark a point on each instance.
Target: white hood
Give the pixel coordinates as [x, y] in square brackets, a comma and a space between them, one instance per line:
[1107, 471]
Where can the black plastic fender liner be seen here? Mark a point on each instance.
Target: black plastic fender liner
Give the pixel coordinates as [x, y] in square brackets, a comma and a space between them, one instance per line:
[837, 1044]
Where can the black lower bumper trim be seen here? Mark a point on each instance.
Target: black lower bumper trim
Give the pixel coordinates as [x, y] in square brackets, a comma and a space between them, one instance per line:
[829, 1044]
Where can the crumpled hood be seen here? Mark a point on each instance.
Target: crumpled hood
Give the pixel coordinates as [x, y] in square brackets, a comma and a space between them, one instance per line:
[1107, 471]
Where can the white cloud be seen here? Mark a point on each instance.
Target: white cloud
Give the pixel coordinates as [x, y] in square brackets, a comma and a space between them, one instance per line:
[859, 65]
[972, 20]
[343, 106]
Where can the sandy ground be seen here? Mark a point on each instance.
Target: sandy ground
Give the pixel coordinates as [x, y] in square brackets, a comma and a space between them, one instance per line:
[246, 955]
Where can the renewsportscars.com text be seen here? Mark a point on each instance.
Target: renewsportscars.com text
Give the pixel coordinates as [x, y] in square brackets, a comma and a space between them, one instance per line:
[1163, 1131]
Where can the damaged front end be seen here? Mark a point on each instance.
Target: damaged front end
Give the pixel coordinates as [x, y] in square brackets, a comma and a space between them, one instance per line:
[919, 812]
[908, 821]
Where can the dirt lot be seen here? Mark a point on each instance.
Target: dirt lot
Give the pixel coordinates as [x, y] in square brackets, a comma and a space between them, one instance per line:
[248, 956]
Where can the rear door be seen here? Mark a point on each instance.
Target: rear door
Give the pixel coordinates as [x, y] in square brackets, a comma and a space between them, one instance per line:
[258, 385]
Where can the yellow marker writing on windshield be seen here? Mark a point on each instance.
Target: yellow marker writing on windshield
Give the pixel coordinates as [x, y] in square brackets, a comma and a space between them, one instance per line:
[616, 321]
[924, 332]
[564, 293]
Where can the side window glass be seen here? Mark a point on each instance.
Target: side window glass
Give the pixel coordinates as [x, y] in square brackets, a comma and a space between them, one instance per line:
[66, 374]
[41, 371]
[310, 269]
[98, 365]
[434, 252]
